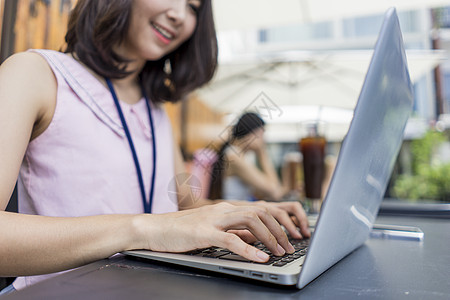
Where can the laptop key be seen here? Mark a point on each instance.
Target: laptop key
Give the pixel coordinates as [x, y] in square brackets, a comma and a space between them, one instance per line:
[279, 264]
[235, 257]
[209, 250]
[194, 252]
[216, 254]
[303, 252]
[288, 259]
[267, 263]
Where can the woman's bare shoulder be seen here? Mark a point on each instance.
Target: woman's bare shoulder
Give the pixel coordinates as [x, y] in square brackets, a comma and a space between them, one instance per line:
[27, 82]
[26, 65]
[29, 73]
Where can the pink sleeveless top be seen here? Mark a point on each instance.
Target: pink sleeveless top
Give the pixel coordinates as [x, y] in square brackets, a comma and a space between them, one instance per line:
[82, 164]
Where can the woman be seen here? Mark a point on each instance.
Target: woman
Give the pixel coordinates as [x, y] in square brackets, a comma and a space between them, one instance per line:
[94, 171]
[233, 177]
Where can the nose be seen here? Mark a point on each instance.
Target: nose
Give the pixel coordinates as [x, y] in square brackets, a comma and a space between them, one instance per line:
[177, 11]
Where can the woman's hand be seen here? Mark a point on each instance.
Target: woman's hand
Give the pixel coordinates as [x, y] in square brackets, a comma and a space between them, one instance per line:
[289, 214]
[218, 225]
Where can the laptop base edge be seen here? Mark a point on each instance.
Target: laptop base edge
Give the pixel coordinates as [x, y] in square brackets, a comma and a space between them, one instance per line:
[275, 278]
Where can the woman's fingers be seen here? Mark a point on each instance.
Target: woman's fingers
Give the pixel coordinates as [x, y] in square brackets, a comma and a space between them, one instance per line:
[233, 243]
[262, 225]
[297, 210]
[278, 232]
[293, 209]
[245, 235]
[283, 217]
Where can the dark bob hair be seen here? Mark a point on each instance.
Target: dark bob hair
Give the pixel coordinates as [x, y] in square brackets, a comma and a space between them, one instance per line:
[95, 26]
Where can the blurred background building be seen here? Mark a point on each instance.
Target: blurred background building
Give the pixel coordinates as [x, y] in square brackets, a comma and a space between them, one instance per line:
[294, 61]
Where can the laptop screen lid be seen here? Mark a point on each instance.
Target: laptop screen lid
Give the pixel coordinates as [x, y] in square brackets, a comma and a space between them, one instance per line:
[367, 155]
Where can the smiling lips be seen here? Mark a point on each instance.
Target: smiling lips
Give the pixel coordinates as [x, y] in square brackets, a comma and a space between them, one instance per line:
[163, 34]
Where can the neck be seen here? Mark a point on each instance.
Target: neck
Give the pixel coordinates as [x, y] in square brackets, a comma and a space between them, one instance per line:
[135, 67]
[128, 88]
[130, 81]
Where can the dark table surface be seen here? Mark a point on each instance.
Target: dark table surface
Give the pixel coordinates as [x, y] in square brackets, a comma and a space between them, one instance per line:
[380, 269]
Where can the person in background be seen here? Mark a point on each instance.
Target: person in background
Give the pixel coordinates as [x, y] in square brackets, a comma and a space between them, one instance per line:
[84, 133]
[233, 176]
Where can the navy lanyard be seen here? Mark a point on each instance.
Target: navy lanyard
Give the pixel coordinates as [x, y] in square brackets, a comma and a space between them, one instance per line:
[147, 206]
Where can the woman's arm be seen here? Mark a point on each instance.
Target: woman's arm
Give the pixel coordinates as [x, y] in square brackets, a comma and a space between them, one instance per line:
[263, 181]
[27, 91]
[268, 169]
[31, 245]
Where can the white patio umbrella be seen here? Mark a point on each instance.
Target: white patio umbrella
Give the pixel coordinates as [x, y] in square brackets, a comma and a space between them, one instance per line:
[326, 78]
[251, 14]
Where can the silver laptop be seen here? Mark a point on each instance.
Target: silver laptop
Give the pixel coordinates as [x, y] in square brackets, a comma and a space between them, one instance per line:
[364, 166]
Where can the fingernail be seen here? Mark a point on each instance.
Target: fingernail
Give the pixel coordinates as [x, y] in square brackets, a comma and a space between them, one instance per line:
[291, 248]
[262, 255]
[280, 250]
[306, 231]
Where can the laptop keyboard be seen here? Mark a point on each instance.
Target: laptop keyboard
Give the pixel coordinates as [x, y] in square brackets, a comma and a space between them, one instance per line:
[300, 246]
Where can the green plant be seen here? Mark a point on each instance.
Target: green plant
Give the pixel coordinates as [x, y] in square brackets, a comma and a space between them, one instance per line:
[430, 178]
